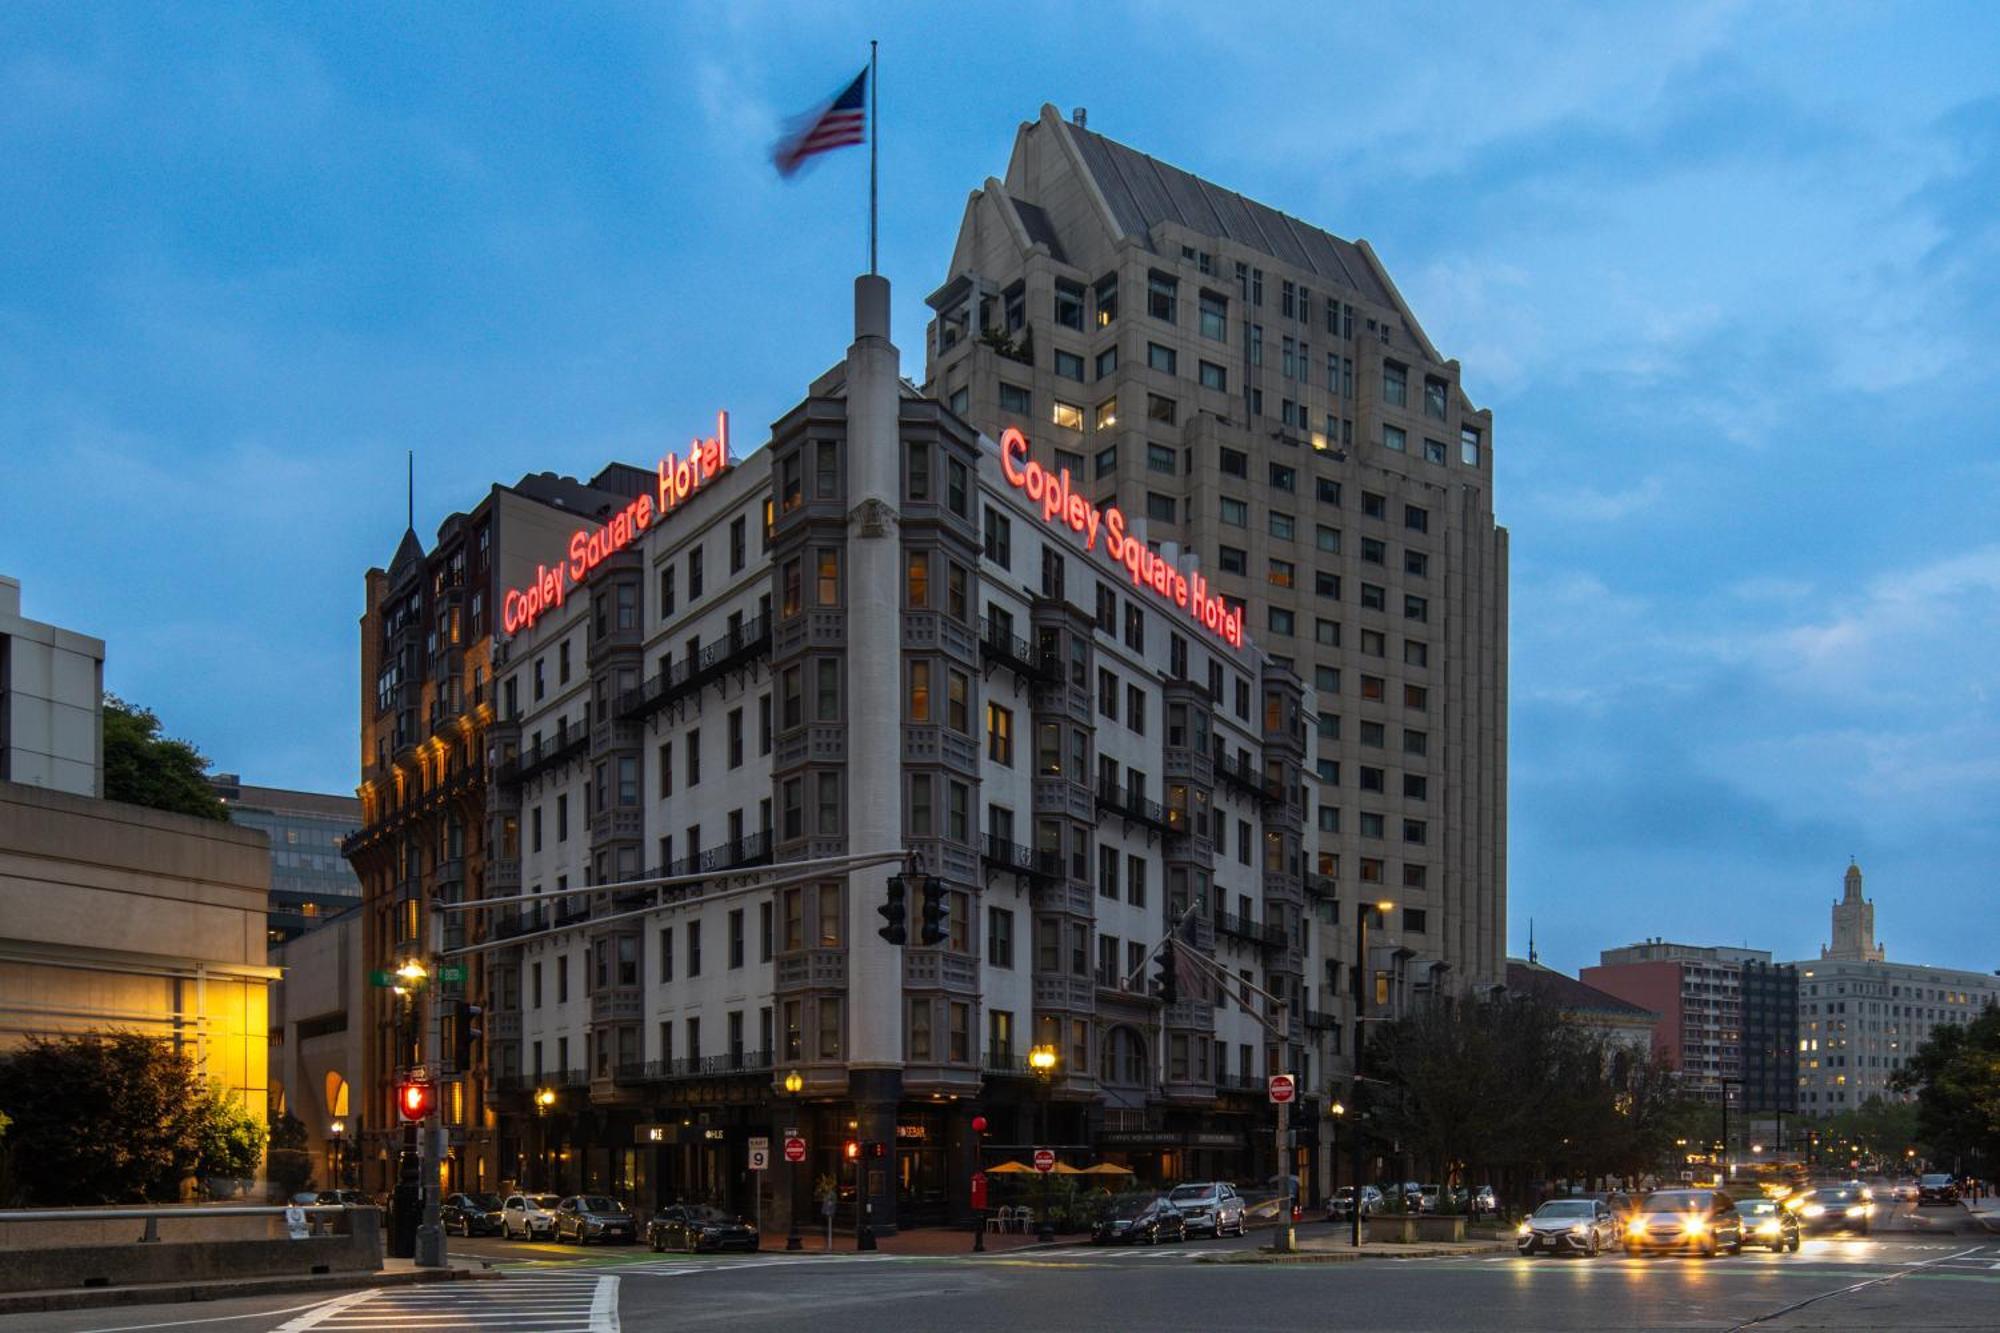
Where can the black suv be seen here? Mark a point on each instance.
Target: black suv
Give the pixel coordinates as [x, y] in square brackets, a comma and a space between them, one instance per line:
[1936, 1188]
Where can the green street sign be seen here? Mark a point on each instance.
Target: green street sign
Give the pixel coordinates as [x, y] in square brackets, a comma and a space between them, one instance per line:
[381, 977]
[451, 972]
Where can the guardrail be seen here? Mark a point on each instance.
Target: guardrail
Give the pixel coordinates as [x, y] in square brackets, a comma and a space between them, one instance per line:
[152, 1216]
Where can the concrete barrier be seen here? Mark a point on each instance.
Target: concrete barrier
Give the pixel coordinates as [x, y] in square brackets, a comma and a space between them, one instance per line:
[1414, 1228]
[354, 1245]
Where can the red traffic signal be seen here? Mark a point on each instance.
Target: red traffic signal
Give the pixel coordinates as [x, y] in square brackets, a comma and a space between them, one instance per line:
[979, 1124]
[878, 1149]
[853, 1151]
[414, 1099]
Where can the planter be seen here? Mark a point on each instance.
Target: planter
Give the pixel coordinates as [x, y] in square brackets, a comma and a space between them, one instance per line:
[1415, 1229]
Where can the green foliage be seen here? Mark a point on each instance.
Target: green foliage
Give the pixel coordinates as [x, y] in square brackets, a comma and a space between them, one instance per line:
[288, 1165]
[142, 767]
[118, 1118]
[1956, 1076]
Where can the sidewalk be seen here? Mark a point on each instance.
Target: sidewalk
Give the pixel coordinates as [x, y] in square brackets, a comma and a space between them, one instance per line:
[393, 1273]
[920, 1241]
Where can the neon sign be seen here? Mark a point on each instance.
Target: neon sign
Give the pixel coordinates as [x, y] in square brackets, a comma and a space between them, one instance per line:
[679, 478]
[1062, 504]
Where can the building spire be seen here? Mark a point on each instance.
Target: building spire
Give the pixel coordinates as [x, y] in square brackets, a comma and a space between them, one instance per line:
[1531, 940]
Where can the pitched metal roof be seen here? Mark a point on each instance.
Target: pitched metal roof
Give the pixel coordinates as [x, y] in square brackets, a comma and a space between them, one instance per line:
[1144, 192]
[1569, 994]
[1036, 223]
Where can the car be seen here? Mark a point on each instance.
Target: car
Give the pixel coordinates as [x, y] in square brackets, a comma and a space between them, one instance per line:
[1904, 1190]
[471, 1214]
[346, 1198]
[697, 1227]
[1213, 1206]
[1835, 1208]
[1340, 1205]
[1770, 1223]
[526, 1216]
[1429, 1197]
[1936, 1189]
[1704, 1221]
[1140, 1219]
[1568, 1226]
[583, 1218]
[1413, 1194]
[1482, 1201]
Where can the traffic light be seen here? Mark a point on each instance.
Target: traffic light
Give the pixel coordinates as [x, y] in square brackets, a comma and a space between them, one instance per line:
[414, 1099]
[467, 1032]
[936, 924]
[853, 1151]
[1165, 982]
[895, 913]
[878, 1149]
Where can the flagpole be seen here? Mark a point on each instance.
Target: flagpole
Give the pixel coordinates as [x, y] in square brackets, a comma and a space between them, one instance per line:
[873, 121]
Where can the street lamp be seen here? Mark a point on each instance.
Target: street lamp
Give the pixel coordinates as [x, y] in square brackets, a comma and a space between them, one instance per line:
[336, 1128]
[545, 1100]
[1042, 1059]
[1361, 989]
[793, 1084]
[1335, 1112]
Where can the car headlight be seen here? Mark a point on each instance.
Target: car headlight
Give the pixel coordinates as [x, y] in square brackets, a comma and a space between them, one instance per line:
[1855, 1210]
[1636, 1227]
[1696, 1225]
[1768, 1227]
[1815, 1210]
[1578, 1228]
[1524, 1230]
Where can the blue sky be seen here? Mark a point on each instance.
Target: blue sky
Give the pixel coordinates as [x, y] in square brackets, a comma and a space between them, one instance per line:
[1728, 276]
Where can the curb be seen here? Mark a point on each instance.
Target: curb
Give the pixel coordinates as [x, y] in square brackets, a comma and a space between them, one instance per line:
[1381, 1251]
[175, 1293]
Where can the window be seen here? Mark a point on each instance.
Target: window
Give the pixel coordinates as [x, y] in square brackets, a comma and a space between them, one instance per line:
[1069, 305]
[1416, 787]
[1107, 871]
[1067, 415]
[1416, 653]
[1395, 384]
[1254, 335]
[1107, 414]
[1000, 735]
[1280, 621]
[1372, 779]
[1434, 399]
[1374, 597]
[1159, 458]
[1162, 296]
[1326, 585]
[1163, 410]
[1393, 438]
[1282, 526]
[1014, 398]
[1281, 573]
[919, 702]
[1235, 513]
[1371, 688]
[1213, 377]
[999, 937]
[1069, 365]
[1374, 643]
[1135, 627]
[1135, 880]
[1214, 317]
[1416, 742]
[1416, 564]
[1161, 508]
[1135, 709]
[1232, 559]
[1414, 921]
[1416, 698]
[1327, 539]
[1326, 633]
[1327, 491]
[1284, 478]
[1415, 608]
[919, 470]
[1371, 825]
[958, 702]
[1373, 735]
[1434, 451]
[736, 938]
[999, 538]
[826, 576]
[1234, 463]
[733, 739]
[1106, 461]
[917, 581]
[1326, 679]
[1374, 506]
[1415, 519]
[1468, 447]
[1107, 362]
[694, 949]
[694, 573]
[1161, 358]
[1374, 551]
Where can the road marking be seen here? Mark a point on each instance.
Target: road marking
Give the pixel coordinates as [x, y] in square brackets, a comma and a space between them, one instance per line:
[213, 1319]
[578, 1304]
[1847, 1290]
[319, 1315]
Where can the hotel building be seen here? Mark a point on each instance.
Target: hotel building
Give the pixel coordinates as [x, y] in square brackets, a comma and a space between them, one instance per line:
[879, 632]
[1256, 393]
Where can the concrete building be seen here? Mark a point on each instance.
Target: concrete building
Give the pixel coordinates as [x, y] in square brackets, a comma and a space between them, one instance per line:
[1724, 1020]
[1861, 1016]
[121, 917]
[311, 881]
[316, 1039]
[1254, 392]
[1619, 1024]
[51, 702]
[879, 633]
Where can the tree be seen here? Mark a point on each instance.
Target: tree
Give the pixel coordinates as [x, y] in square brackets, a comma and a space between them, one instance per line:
[117, 1117]
[1956, 1076]
[228, 1140]
[288, 1164]
[142, 767]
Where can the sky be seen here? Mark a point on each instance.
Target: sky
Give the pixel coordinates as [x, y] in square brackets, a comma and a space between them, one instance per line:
[1728, 276]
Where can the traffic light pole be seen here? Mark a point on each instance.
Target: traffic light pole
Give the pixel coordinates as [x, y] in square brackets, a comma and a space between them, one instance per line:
[430, 1232]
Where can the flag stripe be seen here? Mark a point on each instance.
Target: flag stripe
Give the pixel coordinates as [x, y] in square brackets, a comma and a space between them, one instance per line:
[838, 124]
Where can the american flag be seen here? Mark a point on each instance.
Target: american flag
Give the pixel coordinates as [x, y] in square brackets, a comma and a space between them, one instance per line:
[841, 122]
[1190, 977]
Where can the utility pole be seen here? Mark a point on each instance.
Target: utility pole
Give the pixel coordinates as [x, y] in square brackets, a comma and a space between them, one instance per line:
[1288, 1233]
[430, 1135]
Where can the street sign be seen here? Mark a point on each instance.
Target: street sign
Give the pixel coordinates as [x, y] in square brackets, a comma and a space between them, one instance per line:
[795, 1149]
[382, 977]
[1283, 1089]
[1045, 1160]
[760, 1158]
[451, 972]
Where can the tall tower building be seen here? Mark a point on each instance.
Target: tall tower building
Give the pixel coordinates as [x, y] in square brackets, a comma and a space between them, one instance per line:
[1853, 925]
[1254, 391]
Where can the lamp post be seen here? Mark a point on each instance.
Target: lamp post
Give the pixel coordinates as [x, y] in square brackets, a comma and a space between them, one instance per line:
[979, 1179]
[1361, 989]
[793, 1085]
[335, 1129]
[1042, 1059]
[545, 1098]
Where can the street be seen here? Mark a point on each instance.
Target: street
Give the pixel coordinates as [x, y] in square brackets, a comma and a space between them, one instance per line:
[1904, 1279]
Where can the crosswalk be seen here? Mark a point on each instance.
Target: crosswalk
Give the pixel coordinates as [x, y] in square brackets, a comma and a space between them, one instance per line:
[558, 1303]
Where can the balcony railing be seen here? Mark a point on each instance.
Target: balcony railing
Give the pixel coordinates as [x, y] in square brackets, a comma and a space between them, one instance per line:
[568, 743]
[726, 1065]
[752, 850]
[1024, 659]
[1134, 806]
[1249, 928]
[745, 643]
[1005, 855]
[1239, 773]
[1320, 1018]
[1006, 1062]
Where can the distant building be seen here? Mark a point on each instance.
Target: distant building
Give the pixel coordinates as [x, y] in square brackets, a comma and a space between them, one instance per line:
[120, 917]
[311, 881]
[1861, 1016]
[1618, 1023]
[1723, 1020]
[51, 702]
[316, 1041]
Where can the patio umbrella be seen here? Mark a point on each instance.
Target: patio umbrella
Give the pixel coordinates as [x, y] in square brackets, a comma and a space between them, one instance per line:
[1064, 1169]
[1106, 1169]
[1011, 1169]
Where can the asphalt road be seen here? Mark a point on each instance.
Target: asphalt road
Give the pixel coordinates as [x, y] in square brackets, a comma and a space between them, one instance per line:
[1902, 1281]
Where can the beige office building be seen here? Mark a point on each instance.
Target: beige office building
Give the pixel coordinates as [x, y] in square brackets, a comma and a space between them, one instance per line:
[1255, 390]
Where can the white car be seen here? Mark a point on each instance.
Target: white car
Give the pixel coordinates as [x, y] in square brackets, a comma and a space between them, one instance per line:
[529, 1216]
[1213, 1206]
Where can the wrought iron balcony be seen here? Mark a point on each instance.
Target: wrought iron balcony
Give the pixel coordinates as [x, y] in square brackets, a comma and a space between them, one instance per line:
[1131, 805]
[1024, 659]
[744, 644]
[1004, 855]
[727, 1065]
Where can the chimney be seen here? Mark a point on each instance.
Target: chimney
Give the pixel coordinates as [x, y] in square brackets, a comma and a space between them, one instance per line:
[1079, 118]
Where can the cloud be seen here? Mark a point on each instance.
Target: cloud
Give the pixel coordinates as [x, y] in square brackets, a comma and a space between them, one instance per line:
[1586, 504]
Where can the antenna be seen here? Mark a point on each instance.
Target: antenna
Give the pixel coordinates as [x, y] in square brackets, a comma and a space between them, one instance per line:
[412, 468]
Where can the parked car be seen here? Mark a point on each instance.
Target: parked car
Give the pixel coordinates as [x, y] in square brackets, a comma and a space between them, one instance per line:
[1340, 1206]
[1568, 1226]
[1704, 1221]
[1836, 1208]
[1429, 1197]
[1936, 1189]
[696, 1227]
[471, 1214]
[347, 1198]
[1213, 1206]
[584, 1218]
[526, 1216]
[1140, 1219]
[1483, 1201]
[1770, 1223]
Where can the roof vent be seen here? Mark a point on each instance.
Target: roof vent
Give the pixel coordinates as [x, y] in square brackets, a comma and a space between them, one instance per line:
[1079, 118]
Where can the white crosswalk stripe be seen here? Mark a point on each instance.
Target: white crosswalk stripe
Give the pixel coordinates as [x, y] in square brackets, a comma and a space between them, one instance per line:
[577, 1303]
